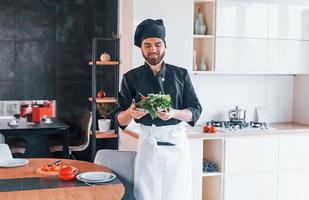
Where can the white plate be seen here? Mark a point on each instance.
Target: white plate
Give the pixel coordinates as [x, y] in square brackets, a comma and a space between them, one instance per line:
[15, 162]
[96, 177]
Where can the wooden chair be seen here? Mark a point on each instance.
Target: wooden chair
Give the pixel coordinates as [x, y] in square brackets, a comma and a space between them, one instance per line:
[79, 144]
[122, 164]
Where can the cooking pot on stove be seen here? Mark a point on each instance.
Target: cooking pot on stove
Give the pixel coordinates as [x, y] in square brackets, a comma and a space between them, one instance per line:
[237, 114]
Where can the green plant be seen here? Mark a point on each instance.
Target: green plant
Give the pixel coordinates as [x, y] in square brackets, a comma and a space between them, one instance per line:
[155, 102]
[105, 109]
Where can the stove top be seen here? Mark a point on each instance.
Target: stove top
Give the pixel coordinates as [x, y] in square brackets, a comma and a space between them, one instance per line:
[239, 126]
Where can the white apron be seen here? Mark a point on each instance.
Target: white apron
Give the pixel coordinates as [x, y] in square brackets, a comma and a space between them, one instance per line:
[163, 172]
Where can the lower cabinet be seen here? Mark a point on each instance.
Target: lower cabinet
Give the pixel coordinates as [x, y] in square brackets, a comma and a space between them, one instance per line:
[251, 164]
[251, 153]
[293, 185]
[293, 174]
[253, 186]
[261, 167]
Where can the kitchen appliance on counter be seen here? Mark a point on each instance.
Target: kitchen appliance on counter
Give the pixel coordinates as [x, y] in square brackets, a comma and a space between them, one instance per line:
[237, 123]
[237, 115]
[239, 126]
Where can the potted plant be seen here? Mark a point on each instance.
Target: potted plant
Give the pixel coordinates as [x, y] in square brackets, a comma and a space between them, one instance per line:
[104, 110]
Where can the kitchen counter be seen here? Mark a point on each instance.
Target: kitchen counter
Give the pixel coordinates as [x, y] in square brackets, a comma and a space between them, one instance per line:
[247, 160]
[196, 132]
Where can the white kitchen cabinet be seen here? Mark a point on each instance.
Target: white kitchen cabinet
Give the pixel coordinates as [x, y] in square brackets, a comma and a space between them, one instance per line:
[289, 19]
[253, 186]
[253, 153]
[293, 184]
[241, 55]
[288, 56]
[245, 19]
[269, 36]
[251, 164]
[294, 151]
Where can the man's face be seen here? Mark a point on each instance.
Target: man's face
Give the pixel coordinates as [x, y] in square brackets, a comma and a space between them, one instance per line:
[153, 50]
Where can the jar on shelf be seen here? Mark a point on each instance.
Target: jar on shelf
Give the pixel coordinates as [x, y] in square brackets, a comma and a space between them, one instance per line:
[196, 27]
[202, 25]
[202, 66]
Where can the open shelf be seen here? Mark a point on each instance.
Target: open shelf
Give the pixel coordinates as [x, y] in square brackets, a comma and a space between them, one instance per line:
[202, 1]
[212, 188]
[105, 63]
[203, 36]
[211, 174]
[104, 135]
[212, 185]
[104, 100]
[201, 72]
[204, 48]
[207, 8]
[203, 45]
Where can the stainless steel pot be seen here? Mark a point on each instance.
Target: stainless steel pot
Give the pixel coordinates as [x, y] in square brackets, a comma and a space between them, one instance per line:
[237, 114]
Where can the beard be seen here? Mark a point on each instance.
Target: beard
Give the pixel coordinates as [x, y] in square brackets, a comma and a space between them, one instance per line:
[154, 58]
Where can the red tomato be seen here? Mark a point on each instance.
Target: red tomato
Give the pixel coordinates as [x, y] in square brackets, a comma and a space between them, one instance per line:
[67, 177]
[100, 94]
[205, 129]
[66, 171]
[212, 129]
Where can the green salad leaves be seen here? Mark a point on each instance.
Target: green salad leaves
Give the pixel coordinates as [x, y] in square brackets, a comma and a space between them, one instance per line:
[154, 103]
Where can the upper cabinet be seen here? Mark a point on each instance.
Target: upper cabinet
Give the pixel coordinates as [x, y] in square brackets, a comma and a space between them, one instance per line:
[289, 19]
[288, 56]
[235, 55]
[242, 18]
[265, 37]
[239, 36]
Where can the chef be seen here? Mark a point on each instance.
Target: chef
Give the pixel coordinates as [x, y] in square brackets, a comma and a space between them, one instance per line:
[162, 165]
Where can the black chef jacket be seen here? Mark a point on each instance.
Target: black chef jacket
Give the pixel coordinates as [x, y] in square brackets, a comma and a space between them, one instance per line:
[171, 80]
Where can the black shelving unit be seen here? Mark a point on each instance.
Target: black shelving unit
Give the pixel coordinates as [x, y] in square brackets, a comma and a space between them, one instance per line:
[94, 64]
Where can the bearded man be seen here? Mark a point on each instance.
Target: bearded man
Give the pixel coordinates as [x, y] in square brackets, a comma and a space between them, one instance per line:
[162, 165]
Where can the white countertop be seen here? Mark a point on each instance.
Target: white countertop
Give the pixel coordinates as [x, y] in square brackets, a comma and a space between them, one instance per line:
[275, 128]
[197, 131]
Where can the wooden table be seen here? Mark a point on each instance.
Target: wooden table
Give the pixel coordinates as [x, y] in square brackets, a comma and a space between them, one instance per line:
[37, 134]
[52, 188]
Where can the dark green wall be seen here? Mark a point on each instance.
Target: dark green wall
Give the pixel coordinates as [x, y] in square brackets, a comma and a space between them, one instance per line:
[45, 46]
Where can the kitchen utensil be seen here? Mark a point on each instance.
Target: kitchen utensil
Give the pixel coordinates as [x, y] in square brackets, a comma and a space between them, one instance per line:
[237, 114]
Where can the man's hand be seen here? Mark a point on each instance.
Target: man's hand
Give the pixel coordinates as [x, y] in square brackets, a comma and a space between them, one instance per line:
[125, 117]
[165, 115]
[136, 114]
[182, 115]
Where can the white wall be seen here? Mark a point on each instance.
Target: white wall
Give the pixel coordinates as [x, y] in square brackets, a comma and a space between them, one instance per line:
[220, 93]
[217, 93]
[301, 99]
[177, 31]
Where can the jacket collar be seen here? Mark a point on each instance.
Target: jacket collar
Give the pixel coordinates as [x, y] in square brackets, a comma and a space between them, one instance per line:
[162, 71]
